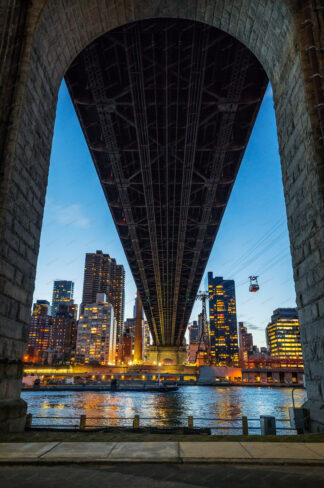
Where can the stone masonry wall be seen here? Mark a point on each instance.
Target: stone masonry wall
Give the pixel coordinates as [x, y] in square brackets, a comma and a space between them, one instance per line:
[52, 34]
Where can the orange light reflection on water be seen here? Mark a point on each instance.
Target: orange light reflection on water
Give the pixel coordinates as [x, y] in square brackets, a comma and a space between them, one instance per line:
[119, 408]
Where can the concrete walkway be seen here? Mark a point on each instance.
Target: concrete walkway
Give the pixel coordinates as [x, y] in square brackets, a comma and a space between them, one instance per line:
[162, 452]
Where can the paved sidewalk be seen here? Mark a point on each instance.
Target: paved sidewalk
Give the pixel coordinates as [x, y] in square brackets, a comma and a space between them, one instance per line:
[162, 452]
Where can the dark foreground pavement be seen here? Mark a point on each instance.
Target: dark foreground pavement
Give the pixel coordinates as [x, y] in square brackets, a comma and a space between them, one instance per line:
[160, 476]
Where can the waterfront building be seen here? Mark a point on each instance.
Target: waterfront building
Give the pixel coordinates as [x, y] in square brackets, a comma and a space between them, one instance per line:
[103, 275]
[280, 371]
[223, 322]
[39, 332]
[62, 293]
[97, 331]
[283, 334]
[63, 334]
[245, 342]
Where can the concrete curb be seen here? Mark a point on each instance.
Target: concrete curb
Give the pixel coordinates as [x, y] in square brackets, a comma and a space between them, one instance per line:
[94, 461]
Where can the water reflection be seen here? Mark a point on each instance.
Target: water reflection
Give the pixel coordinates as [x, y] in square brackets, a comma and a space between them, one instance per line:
[203, 403]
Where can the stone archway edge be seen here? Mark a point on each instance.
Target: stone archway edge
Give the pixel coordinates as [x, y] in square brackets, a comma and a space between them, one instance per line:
[38, 45]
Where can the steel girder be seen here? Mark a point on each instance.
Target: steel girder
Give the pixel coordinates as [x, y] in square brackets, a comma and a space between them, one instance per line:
[167, 107]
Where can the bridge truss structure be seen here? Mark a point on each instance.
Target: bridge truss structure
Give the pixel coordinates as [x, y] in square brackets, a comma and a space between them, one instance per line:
[167, 107]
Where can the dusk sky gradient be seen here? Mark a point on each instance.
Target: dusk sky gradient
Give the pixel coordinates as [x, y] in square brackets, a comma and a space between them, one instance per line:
[252, 239]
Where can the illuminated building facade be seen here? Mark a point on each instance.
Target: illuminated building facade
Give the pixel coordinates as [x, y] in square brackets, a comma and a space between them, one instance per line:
[223, 322]
[103, 275]
[39, 332]
[96, 338]
[62, 343]
[245, 342]
[283, 334]
[62, 293]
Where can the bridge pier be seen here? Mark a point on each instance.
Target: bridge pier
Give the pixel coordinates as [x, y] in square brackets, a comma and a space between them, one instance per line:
[167, 355]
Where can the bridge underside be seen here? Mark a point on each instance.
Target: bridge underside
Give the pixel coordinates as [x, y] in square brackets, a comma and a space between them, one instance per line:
[167, 107]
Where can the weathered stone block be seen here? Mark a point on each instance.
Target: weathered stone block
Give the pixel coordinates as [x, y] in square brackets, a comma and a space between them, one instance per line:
[12, 415]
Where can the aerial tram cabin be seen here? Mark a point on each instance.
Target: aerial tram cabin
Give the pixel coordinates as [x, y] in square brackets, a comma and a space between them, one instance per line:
[254, 285]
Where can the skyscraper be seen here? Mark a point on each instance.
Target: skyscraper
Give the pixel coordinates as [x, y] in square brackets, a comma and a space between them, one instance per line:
[62, 293]
[39, 332]
[96, 339]
[283, 334]
[103, 275]
[223, 322]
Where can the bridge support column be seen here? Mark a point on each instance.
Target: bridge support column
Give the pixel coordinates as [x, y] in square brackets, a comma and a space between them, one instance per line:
[165, 355]
[12, 408]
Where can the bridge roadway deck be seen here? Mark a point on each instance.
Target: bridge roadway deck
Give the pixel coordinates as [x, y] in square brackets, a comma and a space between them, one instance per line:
[167, 107]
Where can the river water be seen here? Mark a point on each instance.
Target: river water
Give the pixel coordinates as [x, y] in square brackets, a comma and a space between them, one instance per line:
[205, 404]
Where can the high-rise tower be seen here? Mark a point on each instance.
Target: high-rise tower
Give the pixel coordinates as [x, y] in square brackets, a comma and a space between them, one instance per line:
[96, 338]
[62, 294]
[103, 275]
[223, 322]
[283, 334]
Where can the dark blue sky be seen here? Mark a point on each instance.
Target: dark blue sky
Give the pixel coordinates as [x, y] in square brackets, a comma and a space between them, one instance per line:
[253, 237]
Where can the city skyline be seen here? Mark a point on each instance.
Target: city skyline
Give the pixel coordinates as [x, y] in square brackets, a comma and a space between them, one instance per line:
[88, 225]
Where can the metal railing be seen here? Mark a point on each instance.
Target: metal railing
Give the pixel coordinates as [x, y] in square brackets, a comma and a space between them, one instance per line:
[214, 424]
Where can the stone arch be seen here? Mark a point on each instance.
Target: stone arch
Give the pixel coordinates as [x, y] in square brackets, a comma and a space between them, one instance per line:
[47, 37]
